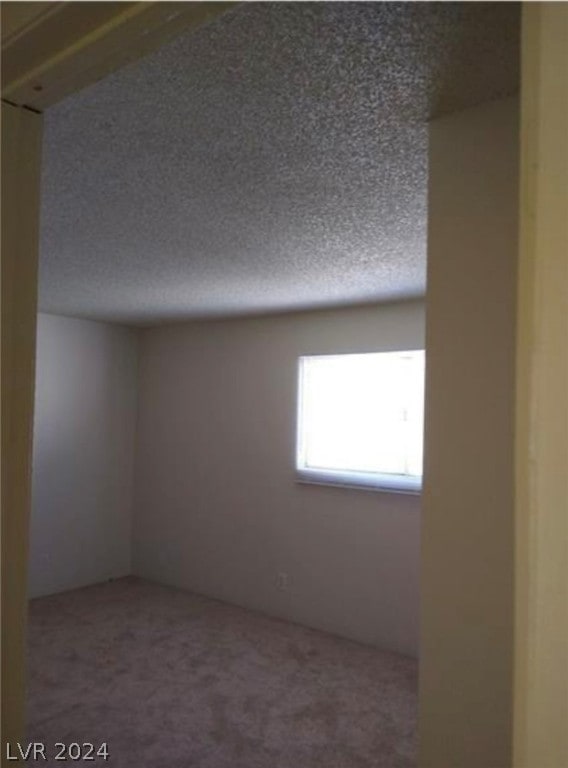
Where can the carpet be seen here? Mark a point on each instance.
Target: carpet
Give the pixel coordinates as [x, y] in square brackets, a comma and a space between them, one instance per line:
[169, 678]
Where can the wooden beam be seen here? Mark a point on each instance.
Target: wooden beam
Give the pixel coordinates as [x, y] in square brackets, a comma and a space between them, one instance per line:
[56, 51]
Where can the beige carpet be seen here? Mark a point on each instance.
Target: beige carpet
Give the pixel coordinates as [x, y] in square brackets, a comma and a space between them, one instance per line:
[172, 679]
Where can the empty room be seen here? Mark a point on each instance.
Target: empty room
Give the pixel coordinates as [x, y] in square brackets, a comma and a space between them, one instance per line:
[251, 280]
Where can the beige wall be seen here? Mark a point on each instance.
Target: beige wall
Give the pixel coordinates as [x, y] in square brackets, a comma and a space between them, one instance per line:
[217, 508]
[467, 544]
[21, 153]
[84, 424]
[541, 643]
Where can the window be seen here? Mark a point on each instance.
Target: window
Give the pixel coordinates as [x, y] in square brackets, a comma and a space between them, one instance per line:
[360, 420]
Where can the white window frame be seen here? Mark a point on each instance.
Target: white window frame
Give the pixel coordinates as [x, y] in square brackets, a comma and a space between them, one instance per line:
[375, 481]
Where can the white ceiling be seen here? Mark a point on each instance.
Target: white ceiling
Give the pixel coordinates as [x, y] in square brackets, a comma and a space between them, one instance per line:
[274, 159]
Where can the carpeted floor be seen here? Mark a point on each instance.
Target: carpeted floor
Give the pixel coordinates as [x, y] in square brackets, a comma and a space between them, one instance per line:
[171, 679]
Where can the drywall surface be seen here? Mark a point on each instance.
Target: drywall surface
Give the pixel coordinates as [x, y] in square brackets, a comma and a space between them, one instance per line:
[217, 507]
[468, 523]
[21, 137]
[541, 565]
[85, 417]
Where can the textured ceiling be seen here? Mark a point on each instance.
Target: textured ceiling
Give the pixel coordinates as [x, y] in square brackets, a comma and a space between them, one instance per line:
[274, 159]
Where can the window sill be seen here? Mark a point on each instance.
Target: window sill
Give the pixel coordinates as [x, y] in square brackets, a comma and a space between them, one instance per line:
[362, 481]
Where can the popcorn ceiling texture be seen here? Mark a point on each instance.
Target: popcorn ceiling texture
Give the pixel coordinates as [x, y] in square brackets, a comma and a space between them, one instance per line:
[274, 159]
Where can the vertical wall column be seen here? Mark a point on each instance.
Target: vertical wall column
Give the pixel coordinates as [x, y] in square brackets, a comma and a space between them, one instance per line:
[541, 641]
[468, 526]
[21, 149]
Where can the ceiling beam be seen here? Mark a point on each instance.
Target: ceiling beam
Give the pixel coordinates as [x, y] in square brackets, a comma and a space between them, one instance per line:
[51, 50]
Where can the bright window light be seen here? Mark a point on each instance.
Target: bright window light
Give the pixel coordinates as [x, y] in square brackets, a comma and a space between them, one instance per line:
[361, 420]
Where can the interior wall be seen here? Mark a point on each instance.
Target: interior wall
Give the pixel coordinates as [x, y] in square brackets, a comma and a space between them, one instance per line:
[541, 565]
[468, 522]
[20, 196]
[83, 455]
[217, 507]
